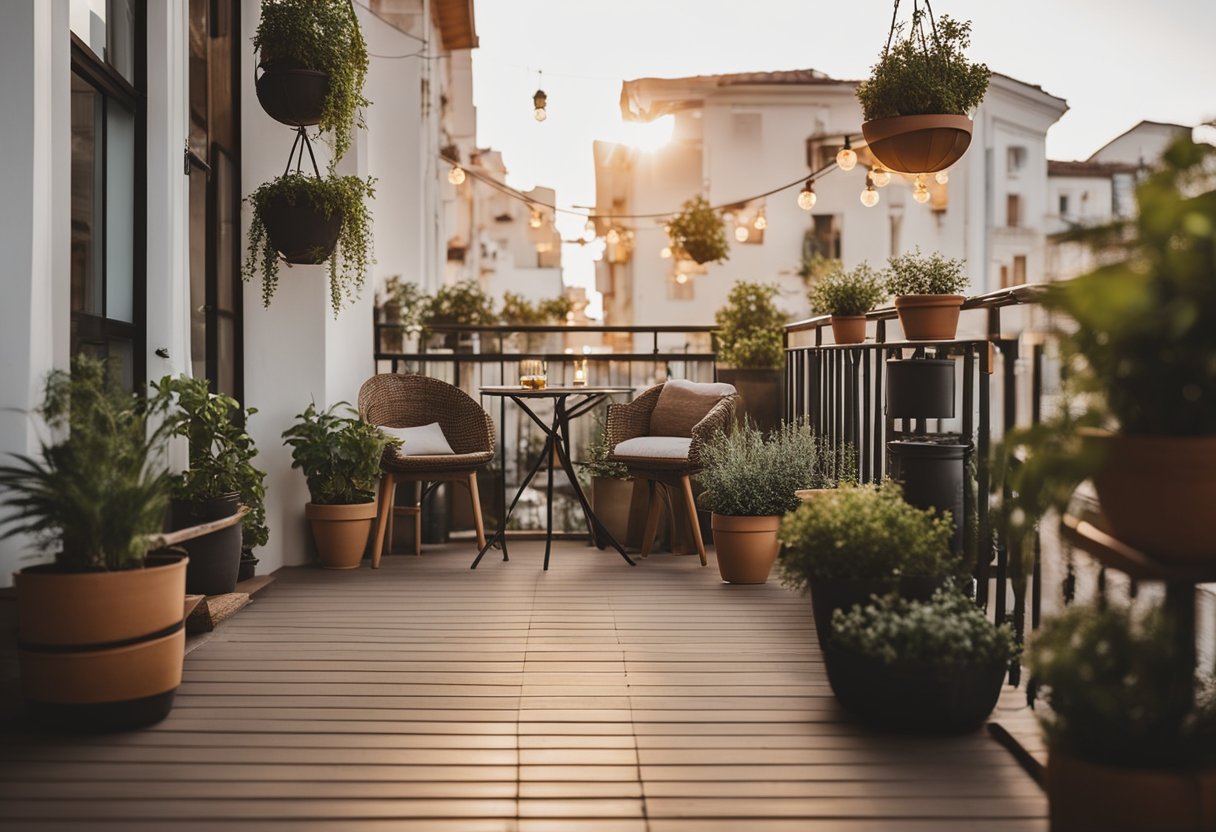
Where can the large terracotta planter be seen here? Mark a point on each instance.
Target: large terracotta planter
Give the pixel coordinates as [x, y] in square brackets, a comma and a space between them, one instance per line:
[918, 144]
[746, 547]
[292, 95]
[1158, 493]
[929, 317]
[1087, 797]
[849, 329]
[611, 500]
[341, 532]
[101, 651]
[299, 232]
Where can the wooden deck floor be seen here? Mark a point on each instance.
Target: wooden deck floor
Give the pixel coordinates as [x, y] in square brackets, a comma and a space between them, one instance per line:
[594, 697]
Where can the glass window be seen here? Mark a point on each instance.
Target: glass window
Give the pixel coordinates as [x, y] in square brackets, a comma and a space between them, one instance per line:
[107, 28]
[120, 213]
[88, 188]
[1013, 211]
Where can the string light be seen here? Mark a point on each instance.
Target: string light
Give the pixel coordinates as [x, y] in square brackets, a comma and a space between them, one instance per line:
[942, 177]
[589, 230]
[741, 233]
[761, 223]
[869, 197]
[921, 194]
[880, 176]
[807, 198]
[535, 220]
[681, 278]
[665, 252]
[539, 101]
[613, 236]
[456, 175]
[846, 157]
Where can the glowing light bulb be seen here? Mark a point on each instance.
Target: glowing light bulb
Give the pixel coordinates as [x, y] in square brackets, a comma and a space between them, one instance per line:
[741, 233]
[613, 236]
[880, 176]
[846, 157]
[539, 102]
[456, 175]
[589, 230]
[535, 219]
[681, 279]
[665, 252]
[761, 223]
[921, 194]
[539, 114]
[869, 197]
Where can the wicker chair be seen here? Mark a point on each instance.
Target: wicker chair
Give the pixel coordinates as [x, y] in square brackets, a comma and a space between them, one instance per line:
[398, 401]
[665, 460]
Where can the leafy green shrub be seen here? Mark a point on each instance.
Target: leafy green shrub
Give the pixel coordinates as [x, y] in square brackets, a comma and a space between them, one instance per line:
[463, 304]
[349, 262]
[861, 532]
[96, 495]
[597, 462]
[409, 299]
[848, 292]
[519, 311]
[339, 455]
[748, 475]
[948, 629]
[925, 73]
[917, 274]
[323, 35]
[751, 327]
[699, 232]
[815, 267]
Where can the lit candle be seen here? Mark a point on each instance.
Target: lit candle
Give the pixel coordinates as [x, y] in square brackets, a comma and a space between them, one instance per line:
[580, 373]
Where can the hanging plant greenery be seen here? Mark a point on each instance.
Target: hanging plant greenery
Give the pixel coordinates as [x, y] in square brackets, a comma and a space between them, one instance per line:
[321, 35]
[309, 220]
[699, 232]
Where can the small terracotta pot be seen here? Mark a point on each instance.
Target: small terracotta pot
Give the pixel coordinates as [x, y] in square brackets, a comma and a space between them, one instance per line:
[746, 546]
[1158, 492]
[918, 144]
[341, 532]
[849, 329]
[929, 317]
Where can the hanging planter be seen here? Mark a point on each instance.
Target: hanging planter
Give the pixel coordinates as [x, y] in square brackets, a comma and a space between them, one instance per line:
[699, 233]
[291, 94]
[916, 100]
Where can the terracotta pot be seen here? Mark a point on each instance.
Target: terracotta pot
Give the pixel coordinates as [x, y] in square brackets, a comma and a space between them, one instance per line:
[849, 329]
[1087, 797]
[293, 96]
[101, 650]
[299, 232]
[929, 317]
[746, 546]
[918, 144]
[1158, 492]
[341, 532]
[611, 500]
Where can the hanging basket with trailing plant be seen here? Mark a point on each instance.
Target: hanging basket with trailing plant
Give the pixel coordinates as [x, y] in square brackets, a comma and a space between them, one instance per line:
[918, 95]
[699, 233]
[313, 62]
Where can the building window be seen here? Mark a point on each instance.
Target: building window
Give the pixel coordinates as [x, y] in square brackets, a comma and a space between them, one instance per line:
[823, 237]
[1013, 211]
[1064, 207]
[1015, 158]
[1004, 276]
[1019, 269]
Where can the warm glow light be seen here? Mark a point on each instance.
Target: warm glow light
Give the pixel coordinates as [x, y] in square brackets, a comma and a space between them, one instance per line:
[921, 194]
[539, 102]
[589, 230]
[456, 175]
[741, 233]
[539, 114]
[880, 176]
[665, 252]
[807, 198]
[535, 219]
[846, 157]
[942, 177]
[681, 279]
[647, 136]
[613, 236]
[761, 223]
[869, 197]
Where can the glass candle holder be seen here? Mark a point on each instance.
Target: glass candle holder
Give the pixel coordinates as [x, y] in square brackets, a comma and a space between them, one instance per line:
[580, 372]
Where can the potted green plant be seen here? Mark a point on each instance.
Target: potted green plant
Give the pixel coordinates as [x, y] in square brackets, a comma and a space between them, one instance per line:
[463, 303]
[928, 294]
[856, 541]
[915, 103]
[402, 307]
[101, 626]
[699, 233]
[749, 482]
[847, 295]
[519, 311]
[1131, 740]
[751, 350]
[611, 486]
[340, 457]
[307, 220]
[932, 666]
[314, 61]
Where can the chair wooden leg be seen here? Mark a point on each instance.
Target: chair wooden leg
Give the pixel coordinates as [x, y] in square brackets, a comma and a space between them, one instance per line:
[477, 521]
[421, 489]
[385, 518]
[690, 503]
[652, 519]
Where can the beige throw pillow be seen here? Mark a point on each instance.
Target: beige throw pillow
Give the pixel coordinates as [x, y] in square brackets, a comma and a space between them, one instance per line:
[682, 404]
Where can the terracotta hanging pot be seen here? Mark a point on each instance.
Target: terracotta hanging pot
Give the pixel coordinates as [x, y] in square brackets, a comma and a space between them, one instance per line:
[341, 532]
[929, 317]
[918, 144]
[849, 329]
[291, 94]
[747, 547]
[299, 231]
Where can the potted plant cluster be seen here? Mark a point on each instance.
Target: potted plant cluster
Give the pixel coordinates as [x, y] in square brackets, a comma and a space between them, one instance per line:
[100, 627]
[340, 457]
[699, 233]
[928, 294]
[611, 487]
[519, 311]
[847, 295]
[749, 482]
[750, 342]
[460, 304]
[1131, 731]
[917, 99]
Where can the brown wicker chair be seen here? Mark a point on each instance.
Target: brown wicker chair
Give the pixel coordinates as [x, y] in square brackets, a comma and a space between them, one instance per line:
[673, 468]
[398, 401]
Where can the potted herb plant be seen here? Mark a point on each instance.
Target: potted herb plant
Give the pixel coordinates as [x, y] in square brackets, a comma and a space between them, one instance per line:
[699, 233]
[928, 294]
[847, 295]
[314, 61]
[917, 99]
[857, 541]
[340, 457]
[307, 220]
[611, 487]
[519, 311]
[101, 630]
[460, 304]
[402, 307]
[749, 482]
[1131, 741]
[751, 345]
[932, 666]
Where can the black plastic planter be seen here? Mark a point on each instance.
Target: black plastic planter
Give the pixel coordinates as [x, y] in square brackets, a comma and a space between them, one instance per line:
[292, 95]
[933, 474]
[831, 594]
[920, 388]
[299, 232]
[215, 558]
[760, 394]
[248, 567]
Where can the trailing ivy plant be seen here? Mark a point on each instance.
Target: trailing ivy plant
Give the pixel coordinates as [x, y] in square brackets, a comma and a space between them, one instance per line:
[918, 274]
[848, 292]
[924, 71]
[339, 454]
[699, 233]
[751, 327]
[323, 35]
[350, 260]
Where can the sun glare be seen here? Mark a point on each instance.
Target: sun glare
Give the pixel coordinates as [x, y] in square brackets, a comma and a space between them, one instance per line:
[647, 136]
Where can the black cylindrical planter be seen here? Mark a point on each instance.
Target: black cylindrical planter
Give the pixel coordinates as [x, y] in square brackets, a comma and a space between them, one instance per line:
[920, 388]
[248, 567]
[299, 232]
[760, 395]
[215, 559]
[933, 476]
[292, 95]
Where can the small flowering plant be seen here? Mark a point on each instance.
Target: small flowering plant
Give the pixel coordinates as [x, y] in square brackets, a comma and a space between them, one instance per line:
[948, 629]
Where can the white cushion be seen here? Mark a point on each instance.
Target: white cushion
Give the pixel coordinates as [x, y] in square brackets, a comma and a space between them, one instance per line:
[654, 447]
[427, 440]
